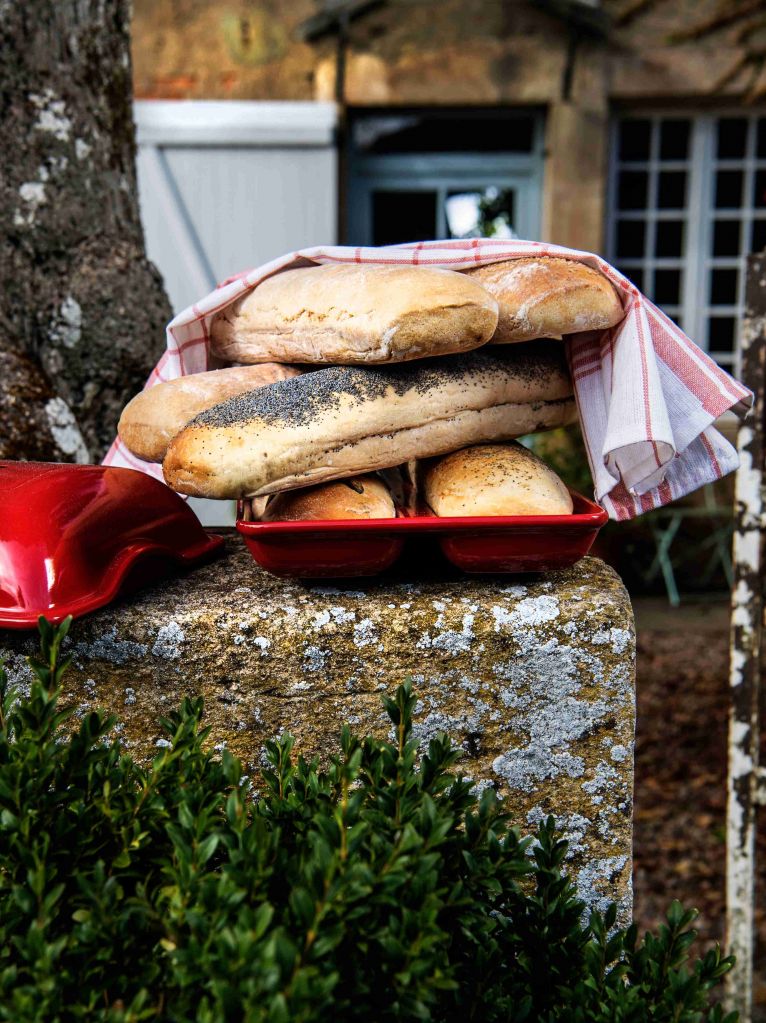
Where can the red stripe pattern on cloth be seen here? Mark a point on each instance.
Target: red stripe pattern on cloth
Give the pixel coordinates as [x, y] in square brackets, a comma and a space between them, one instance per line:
[646, 394]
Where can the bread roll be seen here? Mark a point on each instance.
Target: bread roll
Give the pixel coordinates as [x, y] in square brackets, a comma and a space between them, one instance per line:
[352, 314]
[340, 421]
[152, 419]
[494, 479]
[358, 497]
[545, 296]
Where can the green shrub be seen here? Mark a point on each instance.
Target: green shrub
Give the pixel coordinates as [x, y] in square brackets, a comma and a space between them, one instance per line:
[384, 889]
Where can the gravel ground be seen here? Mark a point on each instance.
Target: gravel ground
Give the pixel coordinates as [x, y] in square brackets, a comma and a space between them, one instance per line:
[680, 797]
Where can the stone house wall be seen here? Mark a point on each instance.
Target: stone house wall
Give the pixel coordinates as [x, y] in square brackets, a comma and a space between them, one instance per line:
[449, 53]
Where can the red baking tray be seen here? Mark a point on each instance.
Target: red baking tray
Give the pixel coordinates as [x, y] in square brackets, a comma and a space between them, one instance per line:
[341, 548]
[73, 536]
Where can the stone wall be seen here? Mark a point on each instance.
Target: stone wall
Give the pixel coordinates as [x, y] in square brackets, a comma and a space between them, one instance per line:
[533, 677]
[418, 52]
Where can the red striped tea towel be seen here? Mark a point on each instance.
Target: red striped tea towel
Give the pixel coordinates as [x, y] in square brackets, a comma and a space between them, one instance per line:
[647, 396]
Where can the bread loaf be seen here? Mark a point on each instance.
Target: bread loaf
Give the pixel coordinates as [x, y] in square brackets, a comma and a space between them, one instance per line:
[353, 314]
[152, 419]
[340, 421]
[494, 479]
[545, 296]
[358, 497]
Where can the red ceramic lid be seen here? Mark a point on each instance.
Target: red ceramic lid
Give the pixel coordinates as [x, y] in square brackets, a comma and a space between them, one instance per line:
[72, 536]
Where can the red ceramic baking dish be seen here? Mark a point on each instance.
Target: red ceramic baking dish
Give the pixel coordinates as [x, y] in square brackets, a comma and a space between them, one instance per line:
[73, 536]
[505, 544]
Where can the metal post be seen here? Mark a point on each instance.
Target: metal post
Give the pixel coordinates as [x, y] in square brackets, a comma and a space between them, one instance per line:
[744, 775]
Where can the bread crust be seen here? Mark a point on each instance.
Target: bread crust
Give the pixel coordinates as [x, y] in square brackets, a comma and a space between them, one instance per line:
[337, 422]
[494, 479]
[152, 419]
[357, 497]
[355, 315]
[546, 296]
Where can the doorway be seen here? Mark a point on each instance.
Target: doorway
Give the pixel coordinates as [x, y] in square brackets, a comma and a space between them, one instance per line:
[415, 175]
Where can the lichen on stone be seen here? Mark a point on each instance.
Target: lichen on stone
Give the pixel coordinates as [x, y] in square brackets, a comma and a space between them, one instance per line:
[516, 673]
[168, 643]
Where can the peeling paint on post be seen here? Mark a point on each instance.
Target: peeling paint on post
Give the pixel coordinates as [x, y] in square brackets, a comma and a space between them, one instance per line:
[745, 669]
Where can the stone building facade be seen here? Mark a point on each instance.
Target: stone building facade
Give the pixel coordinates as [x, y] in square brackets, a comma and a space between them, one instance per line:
[631, 136]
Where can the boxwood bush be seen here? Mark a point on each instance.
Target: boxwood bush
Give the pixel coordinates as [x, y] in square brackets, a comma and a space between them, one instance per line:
[381, 889]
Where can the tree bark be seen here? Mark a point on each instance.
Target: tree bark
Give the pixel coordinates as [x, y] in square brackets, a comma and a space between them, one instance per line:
[81, 307]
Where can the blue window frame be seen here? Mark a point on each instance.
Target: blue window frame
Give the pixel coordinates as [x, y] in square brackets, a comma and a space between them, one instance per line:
[414, 175]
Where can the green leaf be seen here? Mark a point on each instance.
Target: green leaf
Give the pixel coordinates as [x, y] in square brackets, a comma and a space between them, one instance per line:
[377, 886]
[206, 848]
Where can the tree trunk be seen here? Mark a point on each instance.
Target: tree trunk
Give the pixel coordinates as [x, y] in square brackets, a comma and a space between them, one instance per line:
[80, 304]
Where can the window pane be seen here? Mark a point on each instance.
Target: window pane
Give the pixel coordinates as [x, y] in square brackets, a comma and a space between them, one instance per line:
[728, 189]
[721, 333]
[669, 239]
[403, 217]
[759, 189]
[758, 238]
[760, 145]
[726, 238]
[732, 138]
[634, 274]
[632, 190]
[444, 132]
[488, 213]
[671, 190]
[667, 287]
[635, 139]
[631, 235]
[723, 287]
[674, 139]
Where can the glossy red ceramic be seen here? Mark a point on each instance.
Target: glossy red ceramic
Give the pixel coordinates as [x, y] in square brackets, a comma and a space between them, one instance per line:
[73, 536]
[506, 544]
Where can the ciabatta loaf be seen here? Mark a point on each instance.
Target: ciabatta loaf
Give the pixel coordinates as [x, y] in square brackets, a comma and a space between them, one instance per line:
[358, 497]
[152, 419]
[341, 421]
[494, 479]
[353, 314]
[545, 296]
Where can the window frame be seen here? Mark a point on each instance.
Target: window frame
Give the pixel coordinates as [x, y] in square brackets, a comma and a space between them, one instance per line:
[446, 172]
[697, 260]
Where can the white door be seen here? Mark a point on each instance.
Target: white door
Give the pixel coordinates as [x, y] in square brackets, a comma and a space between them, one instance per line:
[225, 186]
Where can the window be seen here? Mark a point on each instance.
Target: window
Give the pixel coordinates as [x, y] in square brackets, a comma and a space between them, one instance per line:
[415, 175]
[687, 203]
